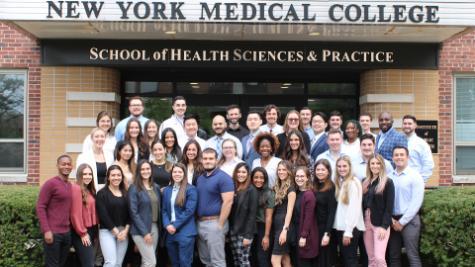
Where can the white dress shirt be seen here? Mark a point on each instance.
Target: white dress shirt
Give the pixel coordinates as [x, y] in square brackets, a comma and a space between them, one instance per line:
[277, 129]
[420, 156]
[176, 124]
[182, 142]
[408, 194]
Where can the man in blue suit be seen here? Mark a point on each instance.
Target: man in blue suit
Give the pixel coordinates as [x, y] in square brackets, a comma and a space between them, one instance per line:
[319, 140]
[388, 138]
[253, 123]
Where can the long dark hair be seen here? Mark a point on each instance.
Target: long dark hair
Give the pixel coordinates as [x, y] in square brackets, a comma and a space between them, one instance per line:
[141, 143]
[138, 177]
[327, 184]
[131, 162]
[237, 185]
[197, 163]
[264, 192]
[302, 158]
[122, 184]
[176, 150]
[90, 188]
[146, 138]
[181, 195]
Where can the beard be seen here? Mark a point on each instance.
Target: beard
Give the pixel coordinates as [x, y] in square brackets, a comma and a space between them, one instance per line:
[209, 169]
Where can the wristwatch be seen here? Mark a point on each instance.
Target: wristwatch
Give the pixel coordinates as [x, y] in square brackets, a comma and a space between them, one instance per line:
[286, 228]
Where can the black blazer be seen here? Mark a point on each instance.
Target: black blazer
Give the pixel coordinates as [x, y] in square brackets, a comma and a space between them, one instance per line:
[283, 141]
[380, 205]
[243, 213]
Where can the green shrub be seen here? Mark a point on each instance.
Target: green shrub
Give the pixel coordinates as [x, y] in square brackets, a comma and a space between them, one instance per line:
[448, 234]
[20, 237]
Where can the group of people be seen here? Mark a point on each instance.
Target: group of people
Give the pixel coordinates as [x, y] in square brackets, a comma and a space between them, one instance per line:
[296, 194]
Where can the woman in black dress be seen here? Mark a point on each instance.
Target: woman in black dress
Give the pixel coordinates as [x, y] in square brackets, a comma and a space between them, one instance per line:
[160, 166]
[325, 213]
[285, 196]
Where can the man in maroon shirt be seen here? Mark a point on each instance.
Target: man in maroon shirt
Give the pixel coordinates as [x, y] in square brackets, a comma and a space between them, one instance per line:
[53, 209]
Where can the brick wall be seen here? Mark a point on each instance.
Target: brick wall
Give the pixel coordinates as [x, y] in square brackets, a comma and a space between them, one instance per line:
[20, 50]
[457, 56]
[421, 84]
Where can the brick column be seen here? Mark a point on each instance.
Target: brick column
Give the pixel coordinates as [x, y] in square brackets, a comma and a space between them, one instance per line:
[402, 92]
[71, 98]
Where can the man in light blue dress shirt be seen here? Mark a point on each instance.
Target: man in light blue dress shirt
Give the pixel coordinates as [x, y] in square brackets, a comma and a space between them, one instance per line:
[334, 140]
[215, 142]
[360, 162]
[136, 108]
[306, 119]
[420, 155]
[408, 197]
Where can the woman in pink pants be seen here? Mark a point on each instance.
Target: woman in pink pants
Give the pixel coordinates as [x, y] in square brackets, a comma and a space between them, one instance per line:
[378, 202]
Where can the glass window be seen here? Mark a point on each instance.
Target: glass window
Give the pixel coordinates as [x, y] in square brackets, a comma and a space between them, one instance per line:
[332, 89]
[465, 125]
[240, 88]
[12, 121]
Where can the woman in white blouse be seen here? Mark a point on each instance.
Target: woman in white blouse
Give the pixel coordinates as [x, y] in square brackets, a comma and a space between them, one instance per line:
[266, 145]
[97, 157]
[103, 121]
[230, 158]
[349, 213]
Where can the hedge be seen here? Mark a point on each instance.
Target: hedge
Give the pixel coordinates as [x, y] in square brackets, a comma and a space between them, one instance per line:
[448, 233]
[20, 237]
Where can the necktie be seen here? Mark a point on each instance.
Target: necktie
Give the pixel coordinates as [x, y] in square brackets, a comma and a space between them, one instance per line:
[219, 141]
[249, 144]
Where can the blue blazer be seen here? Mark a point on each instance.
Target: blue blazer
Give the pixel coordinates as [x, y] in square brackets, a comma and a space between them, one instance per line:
[184, 216]
[140, 210]
[393, 139]
[252, 155]
[319, 147]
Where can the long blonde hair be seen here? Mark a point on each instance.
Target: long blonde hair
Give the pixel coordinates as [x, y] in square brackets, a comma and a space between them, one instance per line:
[281, 188]
[382, 176]
[343, 185]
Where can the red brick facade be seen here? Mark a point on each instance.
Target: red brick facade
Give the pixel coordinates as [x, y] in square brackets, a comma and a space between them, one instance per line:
[20, 50]
[457, 56]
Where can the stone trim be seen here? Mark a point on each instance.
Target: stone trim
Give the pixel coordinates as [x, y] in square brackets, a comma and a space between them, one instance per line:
[386, 98]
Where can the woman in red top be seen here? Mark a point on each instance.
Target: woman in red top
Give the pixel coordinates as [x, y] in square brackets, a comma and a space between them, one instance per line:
[83, 215]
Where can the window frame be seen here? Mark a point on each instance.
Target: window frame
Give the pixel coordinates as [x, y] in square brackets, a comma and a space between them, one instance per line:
[459, 178]
[18, 176]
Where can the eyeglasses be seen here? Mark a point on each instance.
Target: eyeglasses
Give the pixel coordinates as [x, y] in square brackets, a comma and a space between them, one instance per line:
[292, 119]
[136, 105]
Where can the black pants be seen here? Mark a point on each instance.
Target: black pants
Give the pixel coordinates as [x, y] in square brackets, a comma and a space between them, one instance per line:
[56, 253]
[349, 253]
[327, 254]
[362, 250]
[306, 262]
[260, 257]
[85, 254]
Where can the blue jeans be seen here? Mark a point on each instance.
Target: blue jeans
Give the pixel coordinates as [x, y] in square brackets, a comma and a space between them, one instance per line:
[112, 249]
[56, 253]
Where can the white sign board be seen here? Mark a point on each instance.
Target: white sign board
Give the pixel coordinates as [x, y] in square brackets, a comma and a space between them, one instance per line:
[454, 13]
